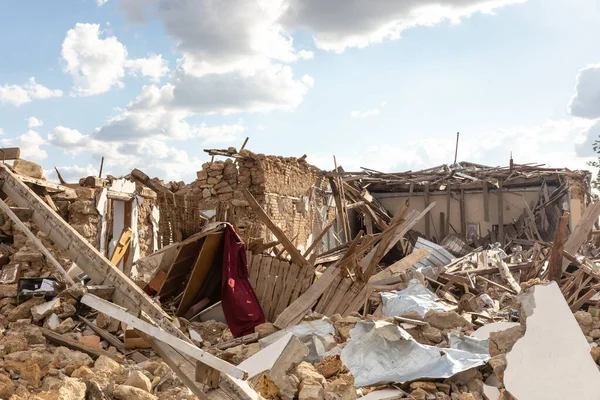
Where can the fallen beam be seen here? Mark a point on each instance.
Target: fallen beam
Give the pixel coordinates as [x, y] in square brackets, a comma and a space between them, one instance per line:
[145, 180]
[74, 345]
[36, 242]
[121, 314]
[67, 191]
[285, 242]
[582, 230]
[95, 265]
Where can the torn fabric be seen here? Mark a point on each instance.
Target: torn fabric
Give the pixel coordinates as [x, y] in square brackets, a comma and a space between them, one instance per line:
[379, 353]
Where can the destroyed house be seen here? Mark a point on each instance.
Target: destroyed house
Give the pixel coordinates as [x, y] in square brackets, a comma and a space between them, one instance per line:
[477, 203]
[267, 278]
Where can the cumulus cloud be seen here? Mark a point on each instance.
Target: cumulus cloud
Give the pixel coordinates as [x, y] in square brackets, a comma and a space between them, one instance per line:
[96, 64]
[21, 94]
[339, 24]
[33, 122]
[369, 113]
[550, 142]
[223, 36]
[154, 67]
[585, 102]
[30, 144]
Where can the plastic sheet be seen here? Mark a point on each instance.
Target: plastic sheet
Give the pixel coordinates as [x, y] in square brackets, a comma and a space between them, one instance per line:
[379, 352]
[415, 297]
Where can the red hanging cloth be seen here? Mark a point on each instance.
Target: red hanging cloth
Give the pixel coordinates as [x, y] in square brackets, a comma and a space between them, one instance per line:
[240, 304]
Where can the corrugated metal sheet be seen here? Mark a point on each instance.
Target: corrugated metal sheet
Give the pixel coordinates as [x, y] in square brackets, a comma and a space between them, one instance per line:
[439, 256]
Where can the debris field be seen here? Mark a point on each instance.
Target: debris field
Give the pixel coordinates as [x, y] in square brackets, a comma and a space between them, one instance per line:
[269, 278]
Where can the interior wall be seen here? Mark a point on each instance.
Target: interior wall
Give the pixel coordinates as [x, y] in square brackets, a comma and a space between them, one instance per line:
[514, 203]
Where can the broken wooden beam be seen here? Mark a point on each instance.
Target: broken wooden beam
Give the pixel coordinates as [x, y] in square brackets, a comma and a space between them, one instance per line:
[121, 314]
[104, 334]
[75, 345]
[67, 192]
[285, 242]
[152, 184]
[97, 267]
[36, 242]
[556, 255]
[582, 230]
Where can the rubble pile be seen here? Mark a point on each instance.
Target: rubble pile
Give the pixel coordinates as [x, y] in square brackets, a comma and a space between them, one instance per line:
[326, 294]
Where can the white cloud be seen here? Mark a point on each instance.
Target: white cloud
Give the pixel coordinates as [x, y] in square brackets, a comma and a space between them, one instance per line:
[72, 173]
[100, 3]
[154, 66]
[223, 36]
[33, 122]
[95, 64]
[271, 88]
[19, 95]
[369, 113]
[339, 24]
[550, 143]
[586, 100]
[30, 144]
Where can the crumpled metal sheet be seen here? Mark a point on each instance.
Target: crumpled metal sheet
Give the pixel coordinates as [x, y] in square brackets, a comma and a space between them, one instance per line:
[415, 297]
[380, 352]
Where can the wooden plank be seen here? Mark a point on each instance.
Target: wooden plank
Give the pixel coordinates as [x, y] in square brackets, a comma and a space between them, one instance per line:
[556, 255]
[253, 267]
[582, 230]
[339, 206]
[75, 345]
[443, 233]
[317, 241]
[36, 242]
[328, 294]
[358, 301]
[285, 242]
[271, 284]
[401, 265]
[583, 299]
[448, 201]
[397, 233]
[369, 223]
[500, 214]
[10, 153]
[282, 272]
[209, 253]
[67, 191]
[299, 284]
[291, 281]
[81, 252]
[121, 247]
[60, 178]
[308, 299]
[348, 298]
[486, 202]
[427, 227]
[121, 314]
[151, 183]
[104, 334]
[263, 284]
[463, 221]
[337, 296]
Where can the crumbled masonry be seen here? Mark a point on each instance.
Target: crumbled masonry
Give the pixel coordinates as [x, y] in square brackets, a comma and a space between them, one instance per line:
[419, 285]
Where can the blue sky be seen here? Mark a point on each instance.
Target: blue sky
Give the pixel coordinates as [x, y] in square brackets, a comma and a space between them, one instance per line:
[379, 83]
